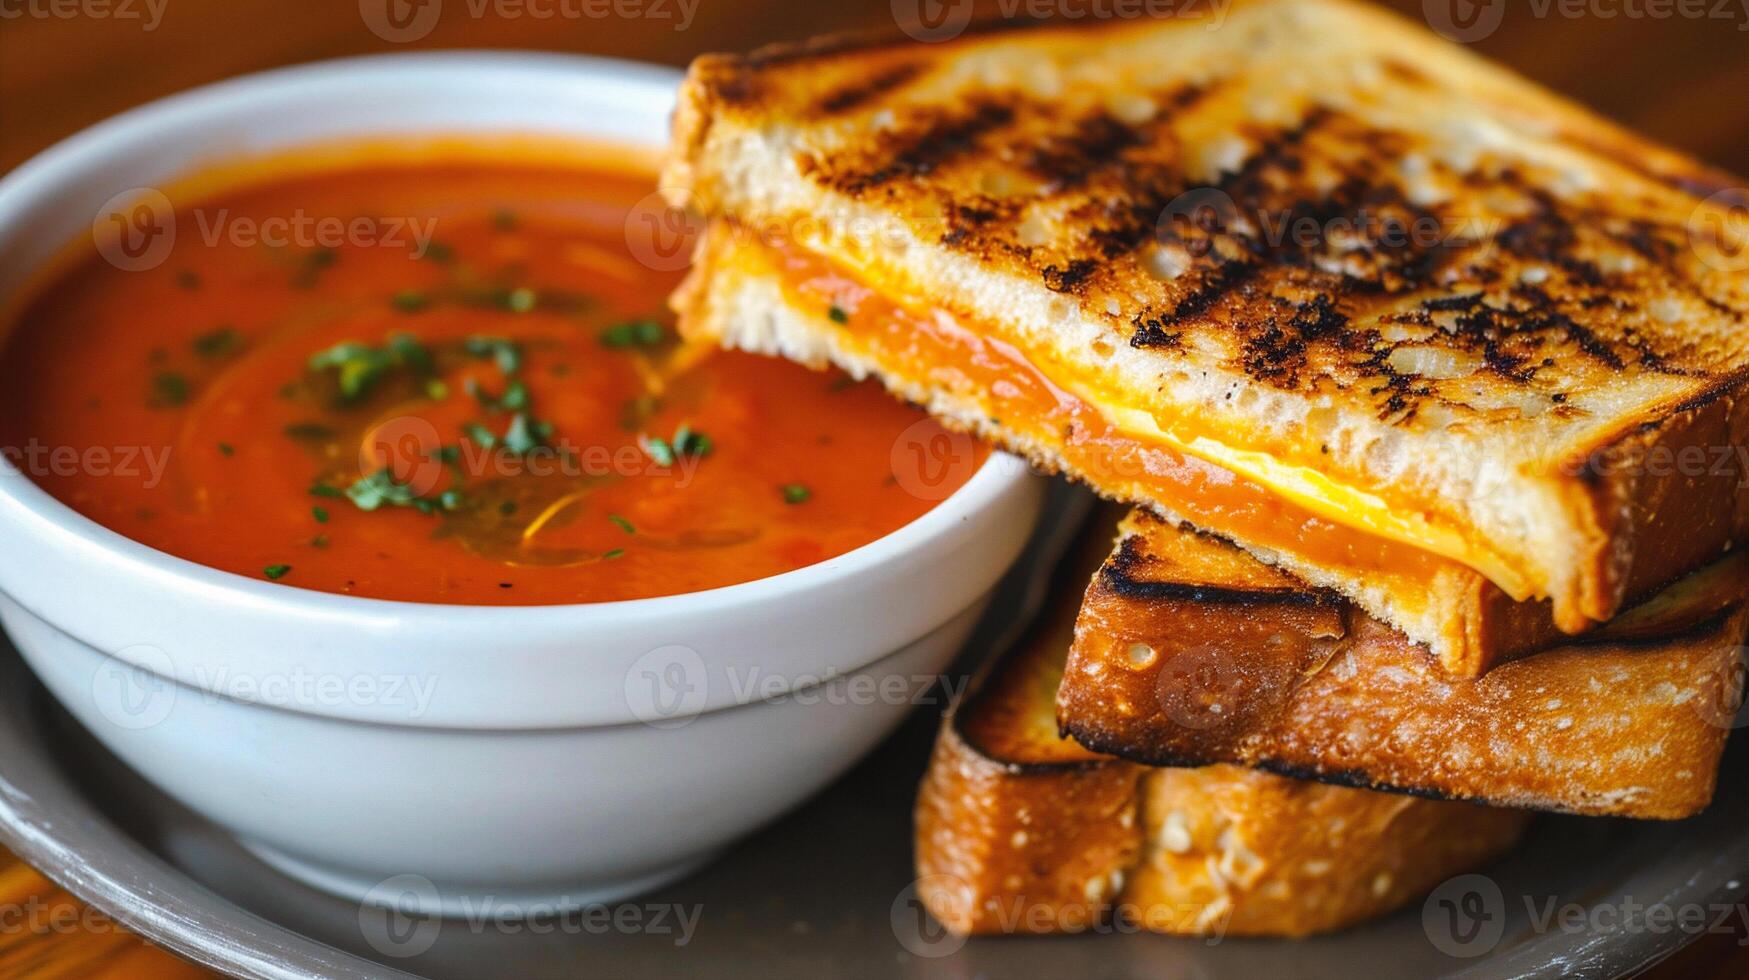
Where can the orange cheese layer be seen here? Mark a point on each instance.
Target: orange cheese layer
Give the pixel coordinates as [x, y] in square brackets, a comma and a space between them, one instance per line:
[935, 347]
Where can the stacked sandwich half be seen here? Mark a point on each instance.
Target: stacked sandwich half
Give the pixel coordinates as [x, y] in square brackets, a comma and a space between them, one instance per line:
[1426, 388]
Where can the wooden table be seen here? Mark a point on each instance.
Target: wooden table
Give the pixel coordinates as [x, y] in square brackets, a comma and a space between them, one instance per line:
[1683, 81]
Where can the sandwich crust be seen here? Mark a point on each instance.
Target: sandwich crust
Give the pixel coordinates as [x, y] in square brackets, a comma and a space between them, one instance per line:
[1189, 652]
[1303, 227]
[1022, 831]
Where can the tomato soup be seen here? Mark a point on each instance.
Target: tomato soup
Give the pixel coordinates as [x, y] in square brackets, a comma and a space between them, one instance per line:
[440, 383]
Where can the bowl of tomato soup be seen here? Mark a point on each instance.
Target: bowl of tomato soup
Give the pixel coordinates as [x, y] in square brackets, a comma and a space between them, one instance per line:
[357, 490]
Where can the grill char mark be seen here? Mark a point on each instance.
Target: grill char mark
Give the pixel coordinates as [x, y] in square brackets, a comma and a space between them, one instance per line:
[921, 151]
[1094, 147]
[861, 93]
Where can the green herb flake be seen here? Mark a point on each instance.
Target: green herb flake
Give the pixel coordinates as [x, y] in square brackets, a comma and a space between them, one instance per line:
[504, 219]
[796, 493]
[319, 541]
[407, 349]
[521, 300]
[451, 500]
[358, 367]
[507, 508]
[615, 553]
[320, 514]
[506, 353]
[690, 443]
[838, 315]
[438, 252]
[436, 390]
[170, 389]
[658, 449]
[276, 572]
[410, 301]
[515, 397]
[622, 524]
[480, 435]
[226, 449]
[189, 280]
[217, 343]
[635, 333]
[324, 490]
[523, 436]
[380, 488]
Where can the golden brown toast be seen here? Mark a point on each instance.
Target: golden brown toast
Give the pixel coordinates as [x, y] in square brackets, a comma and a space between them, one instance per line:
[1188, 651]
[1179, 260]
[1021, 830]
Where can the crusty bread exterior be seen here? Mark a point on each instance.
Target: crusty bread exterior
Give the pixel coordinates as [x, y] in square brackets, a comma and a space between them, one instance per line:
[1190, 652]
[1022, 831]
[1127, 202]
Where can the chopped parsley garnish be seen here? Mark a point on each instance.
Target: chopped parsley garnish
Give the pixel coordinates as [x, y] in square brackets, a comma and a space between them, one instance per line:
[523, 435]
[690, 443]
[412, 353]
[217, 343]
[796, 493]
[504, 219]
[506, 353]
[436, 390]
[380, 488]
[622, 524]
[838, 315]
[520, 300]
[358, 367]
[410, 301]
[188, 280]
[324, 490]
[637, 333]
[439, 252]
[226, 449]
[507, 508]
[615, 553]
[481, 435]
[515, 397]
[169, 389]
[320, 514]
[276, 572]
[658, 449]
[686, 442]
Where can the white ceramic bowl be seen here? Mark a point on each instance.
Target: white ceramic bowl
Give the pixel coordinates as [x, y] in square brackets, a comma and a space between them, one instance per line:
[449, 755]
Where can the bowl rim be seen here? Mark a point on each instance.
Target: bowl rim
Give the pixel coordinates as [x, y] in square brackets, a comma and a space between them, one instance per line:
[53, 170]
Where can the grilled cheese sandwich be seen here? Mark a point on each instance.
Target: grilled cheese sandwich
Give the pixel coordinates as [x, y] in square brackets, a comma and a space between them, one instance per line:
[1067, 240]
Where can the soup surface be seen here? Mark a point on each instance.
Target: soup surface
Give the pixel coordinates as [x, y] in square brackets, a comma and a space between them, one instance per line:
[444, 383]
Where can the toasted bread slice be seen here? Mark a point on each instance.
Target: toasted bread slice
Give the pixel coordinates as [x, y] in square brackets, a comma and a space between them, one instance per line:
[1299, 273]
[1021, 830]
[1189, 651]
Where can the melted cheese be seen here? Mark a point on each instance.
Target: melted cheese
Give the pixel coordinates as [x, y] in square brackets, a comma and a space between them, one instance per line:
[1334, 501]
[1248, 494]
